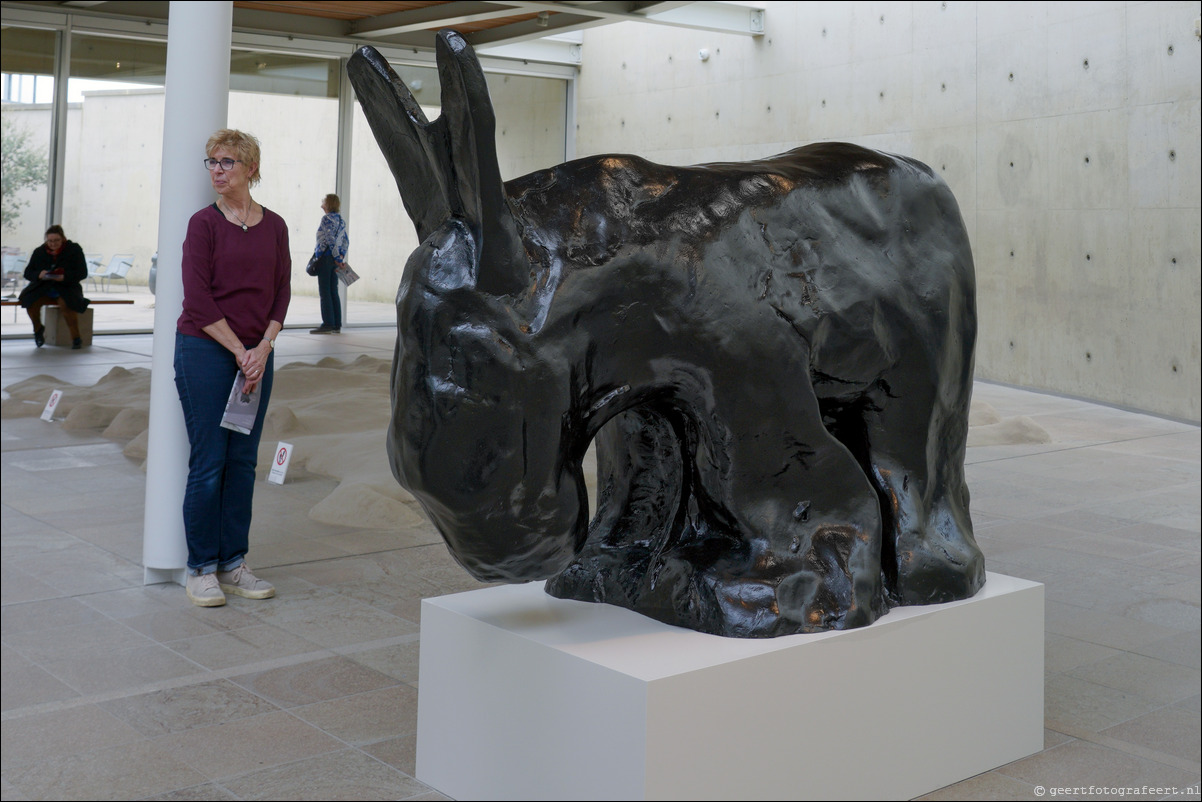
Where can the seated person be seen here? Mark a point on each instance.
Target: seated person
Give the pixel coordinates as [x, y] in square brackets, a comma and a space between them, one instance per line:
[56, 273]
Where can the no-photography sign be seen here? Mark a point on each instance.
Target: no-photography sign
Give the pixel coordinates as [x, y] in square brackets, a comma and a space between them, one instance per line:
[279, 464]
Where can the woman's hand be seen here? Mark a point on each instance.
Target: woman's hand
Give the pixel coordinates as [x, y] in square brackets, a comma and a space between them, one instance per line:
[253, 363]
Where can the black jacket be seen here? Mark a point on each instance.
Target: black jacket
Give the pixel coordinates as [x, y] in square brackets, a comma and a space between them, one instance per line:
[75, 270]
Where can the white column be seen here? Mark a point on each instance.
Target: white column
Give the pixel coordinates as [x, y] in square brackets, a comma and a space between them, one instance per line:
[346, 124]
[58, 127]
[196, 105]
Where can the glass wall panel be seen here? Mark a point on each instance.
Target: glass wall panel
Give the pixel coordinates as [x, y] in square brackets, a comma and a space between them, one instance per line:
[113, 165]
[290, 104]
[113, 147]
[27, 94]
[531, 118]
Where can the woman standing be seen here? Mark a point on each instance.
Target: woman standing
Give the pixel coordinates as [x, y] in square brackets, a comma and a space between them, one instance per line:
[236, 272]
[56, 273]
[328, 256]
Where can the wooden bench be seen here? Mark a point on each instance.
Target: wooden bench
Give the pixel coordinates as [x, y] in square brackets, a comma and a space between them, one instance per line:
[57, 332]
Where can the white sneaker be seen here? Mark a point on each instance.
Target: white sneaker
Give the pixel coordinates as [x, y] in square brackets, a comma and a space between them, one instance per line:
[203, 590]
[241, 582]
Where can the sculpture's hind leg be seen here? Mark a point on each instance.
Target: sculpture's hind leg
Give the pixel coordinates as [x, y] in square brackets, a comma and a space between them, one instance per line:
[910, 441]
[810, 520]
[775, 528]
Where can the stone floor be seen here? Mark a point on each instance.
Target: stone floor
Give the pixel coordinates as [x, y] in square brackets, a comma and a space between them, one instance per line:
[116, 690]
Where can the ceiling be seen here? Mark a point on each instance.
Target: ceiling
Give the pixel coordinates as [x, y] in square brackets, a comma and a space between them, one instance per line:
[539, 31]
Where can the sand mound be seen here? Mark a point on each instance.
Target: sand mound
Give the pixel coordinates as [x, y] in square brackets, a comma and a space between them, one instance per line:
[1008, 432]
[335, 415]
[982, 414]
[987, 428]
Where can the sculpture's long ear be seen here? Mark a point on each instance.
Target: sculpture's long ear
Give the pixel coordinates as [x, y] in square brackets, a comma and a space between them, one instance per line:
[414, 148]
[471, 127]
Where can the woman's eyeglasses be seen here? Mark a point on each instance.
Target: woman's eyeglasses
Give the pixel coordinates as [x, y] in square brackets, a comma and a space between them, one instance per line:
[225, 164]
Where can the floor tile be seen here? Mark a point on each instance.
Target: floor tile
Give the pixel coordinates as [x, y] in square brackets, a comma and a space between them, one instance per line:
[1062, 653]
[166, 625]
[178, 709]
[991, 785]
[28, 685]
[18, 586]
[75, 641]
[1146, 677]
[47, 614]
[1169, 730]
[1089, 706]
[105, 774]
[400, 753]
[399, 662]
[329, 619]
[1181, 649]
[241, 647]
[249, 744]
[116, 670]
[345, 775]
[58, 734]
[1106, 629]
[205, 792]
[314, 681]
[367, 717]
[1079, 764]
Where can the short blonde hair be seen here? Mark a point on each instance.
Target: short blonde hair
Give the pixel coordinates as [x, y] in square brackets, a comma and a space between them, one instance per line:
[245, 145]
[332, 203]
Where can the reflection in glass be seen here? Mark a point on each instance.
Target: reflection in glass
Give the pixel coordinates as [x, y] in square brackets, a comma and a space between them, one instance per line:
[290, 103]
[113, 161]
[114, 135]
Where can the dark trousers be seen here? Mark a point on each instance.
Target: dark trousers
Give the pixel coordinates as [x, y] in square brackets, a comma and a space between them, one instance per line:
[69, 314]
[221, 464]
[327, 290]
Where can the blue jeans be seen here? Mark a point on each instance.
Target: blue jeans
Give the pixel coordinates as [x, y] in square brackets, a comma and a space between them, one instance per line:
[327, 290]
[221, 465]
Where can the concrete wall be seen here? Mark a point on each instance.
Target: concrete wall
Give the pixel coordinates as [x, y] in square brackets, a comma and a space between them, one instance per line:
[1069, 133]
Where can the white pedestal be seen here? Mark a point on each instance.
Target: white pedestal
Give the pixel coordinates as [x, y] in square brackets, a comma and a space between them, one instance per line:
[524, 696]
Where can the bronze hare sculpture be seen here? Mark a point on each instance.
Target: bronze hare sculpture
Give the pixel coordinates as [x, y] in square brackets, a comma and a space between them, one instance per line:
[775, 359]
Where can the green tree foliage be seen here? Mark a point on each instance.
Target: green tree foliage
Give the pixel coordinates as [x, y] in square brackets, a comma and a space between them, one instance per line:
[24, 167]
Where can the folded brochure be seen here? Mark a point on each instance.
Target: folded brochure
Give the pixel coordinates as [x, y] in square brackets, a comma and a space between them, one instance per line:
[242, 408]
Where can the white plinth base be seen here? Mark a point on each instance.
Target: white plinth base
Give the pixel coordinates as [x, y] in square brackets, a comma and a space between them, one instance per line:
[524, 696]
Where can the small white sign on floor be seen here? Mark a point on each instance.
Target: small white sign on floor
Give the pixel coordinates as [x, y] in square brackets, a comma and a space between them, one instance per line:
[279, 465]
[48, 412]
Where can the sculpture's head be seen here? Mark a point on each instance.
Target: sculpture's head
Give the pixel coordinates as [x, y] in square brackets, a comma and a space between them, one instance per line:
[477, 430]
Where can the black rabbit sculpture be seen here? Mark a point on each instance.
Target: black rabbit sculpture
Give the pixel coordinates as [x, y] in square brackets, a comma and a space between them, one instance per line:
[775, 359]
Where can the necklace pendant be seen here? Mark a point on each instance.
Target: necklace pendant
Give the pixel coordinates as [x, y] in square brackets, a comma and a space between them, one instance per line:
[244, 226]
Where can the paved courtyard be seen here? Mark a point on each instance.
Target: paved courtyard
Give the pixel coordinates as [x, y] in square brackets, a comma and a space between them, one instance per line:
[117, 690]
